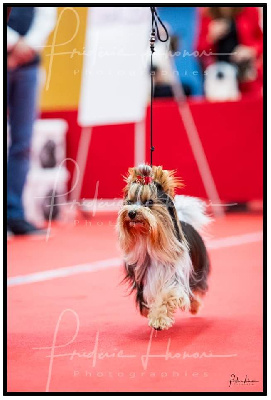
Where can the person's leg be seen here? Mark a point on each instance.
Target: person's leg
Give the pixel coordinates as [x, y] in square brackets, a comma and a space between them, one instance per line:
[22, 112]
[9, 75]
[9, 89]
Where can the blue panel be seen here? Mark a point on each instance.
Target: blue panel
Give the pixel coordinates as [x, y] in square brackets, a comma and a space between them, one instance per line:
[183, 22]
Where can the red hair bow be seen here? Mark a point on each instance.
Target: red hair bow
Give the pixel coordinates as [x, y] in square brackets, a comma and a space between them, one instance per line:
[144, 180]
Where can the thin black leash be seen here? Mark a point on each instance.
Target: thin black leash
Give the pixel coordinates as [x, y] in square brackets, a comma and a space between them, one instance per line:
[155, 32]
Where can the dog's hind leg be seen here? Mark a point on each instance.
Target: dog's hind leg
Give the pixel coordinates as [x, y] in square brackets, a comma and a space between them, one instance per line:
[195, 303]
[201, 267]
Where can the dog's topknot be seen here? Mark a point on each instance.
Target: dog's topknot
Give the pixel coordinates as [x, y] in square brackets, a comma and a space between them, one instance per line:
[144, 170]
[145, 174]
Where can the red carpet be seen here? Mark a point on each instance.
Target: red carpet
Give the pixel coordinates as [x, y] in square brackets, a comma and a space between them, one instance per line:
[103, 344]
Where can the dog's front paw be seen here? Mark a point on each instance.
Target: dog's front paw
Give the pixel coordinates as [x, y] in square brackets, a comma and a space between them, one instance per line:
[161, 323]
[159, 320]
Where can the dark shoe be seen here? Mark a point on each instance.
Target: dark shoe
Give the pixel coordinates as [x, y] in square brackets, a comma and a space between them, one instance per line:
[22, 227]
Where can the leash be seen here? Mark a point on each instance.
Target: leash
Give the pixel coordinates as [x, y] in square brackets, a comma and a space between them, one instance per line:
[154, 32]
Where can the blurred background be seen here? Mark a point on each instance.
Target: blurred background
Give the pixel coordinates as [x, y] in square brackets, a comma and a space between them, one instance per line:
[92, 102]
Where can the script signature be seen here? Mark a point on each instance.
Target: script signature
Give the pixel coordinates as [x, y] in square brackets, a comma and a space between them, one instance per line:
[234, 380]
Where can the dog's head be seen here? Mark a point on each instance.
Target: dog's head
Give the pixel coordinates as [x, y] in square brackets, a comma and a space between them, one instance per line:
[148, 210]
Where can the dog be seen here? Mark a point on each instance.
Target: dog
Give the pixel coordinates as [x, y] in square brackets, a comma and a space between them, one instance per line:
[221, 83]
[166, 262]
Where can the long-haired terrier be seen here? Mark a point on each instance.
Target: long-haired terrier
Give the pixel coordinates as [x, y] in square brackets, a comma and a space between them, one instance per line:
[166, 261]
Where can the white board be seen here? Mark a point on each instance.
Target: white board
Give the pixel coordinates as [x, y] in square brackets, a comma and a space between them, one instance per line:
[116, 61]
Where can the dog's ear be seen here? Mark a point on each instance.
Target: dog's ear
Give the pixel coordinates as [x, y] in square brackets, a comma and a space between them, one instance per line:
[129, 178]
[167, 179]
[131, 175]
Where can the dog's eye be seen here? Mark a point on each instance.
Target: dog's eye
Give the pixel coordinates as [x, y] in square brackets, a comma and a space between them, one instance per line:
[129, 202]
[149, 203]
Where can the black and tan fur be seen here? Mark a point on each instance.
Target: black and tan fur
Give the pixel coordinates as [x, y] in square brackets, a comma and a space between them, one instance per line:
[157, 233]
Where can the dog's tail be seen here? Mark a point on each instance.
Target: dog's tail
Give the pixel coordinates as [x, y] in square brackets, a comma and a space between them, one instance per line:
[192, 211]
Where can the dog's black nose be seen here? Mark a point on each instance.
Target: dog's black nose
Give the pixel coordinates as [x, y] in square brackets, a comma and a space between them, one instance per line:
[220, 75]
[132, 214]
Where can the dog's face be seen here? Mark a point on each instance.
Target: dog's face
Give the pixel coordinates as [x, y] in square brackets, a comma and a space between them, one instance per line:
[141, 209]
[148, 210]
